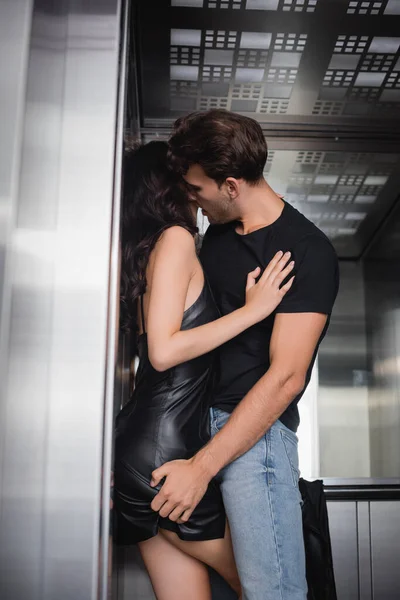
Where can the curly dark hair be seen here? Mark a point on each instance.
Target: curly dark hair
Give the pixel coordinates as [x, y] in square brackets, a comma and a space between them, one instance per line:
[223, 143]
[153, 200]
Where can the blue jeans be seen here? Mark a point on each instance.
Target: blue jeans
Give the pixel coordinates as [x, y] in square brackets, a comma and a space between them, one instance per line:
[263, 506]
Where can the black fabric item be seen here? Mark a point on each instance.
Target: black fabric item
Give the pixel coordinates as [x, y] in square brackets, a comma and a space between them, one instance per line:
[228, 257]
[167, 418]
[317, 542]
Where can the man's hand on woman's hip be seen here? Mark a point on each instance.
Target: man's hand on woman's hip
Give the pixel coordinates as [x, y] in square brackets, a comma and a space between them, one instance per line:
[185, 484]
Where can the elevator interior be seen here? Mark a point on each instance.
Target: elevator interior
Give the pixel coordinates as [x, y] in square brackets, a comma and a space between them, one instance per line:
[322, 77]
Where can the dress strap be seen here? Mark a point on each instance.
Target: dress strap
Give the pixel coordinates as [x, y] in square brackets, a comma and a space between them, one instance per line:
[142, 313]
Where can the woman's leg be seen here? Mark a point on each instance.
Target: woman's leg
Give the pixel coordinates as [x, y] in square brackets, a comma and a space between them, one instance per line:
[174, 574]
[218, 554]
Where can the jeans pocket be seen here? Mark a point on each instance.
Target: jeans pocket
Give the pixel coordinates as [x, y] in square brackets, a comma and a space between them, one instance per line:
[218, 419]
[290, 444]
[213, 422]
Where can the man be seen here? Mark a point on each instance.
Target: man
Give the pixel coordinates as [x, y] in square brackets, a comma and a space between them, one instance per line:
[265, 370]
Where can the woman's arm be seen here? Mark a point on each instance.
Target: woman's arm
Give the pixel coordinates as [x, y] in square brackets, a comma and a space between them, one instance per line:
[174, 264]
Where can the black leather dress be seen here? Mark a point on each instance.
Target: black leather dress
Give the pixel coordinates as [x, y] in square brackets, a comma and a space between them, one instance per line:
[166, 418]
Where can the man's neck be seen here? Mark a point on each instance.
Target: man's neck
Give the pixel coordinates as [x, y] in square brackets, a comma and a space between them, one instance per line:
[261, 207]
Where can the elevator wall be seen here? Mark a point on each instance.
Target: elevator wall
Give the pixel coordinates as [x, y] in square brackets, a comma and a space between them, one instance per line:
[59, 78]
[343, 411]
[321, 77]
[382, 282]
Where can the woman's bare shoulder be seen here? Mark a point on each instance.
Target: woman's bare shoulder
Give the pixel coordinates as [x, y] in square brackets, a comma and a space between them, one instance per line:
[177, 232]
[176, 239]
[175, 248]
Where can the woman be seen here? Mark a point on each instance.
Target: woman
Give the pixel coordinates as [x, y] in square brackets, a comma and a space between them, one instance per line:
[165, 293]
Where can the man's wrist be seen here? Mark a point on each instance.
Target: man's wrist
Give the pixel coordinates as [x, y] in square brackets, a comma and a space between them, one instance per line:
[205, 462]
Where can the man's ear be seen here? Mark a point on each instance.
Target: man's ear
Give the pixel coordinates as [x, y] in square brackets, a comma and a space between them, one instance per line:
[233, 187]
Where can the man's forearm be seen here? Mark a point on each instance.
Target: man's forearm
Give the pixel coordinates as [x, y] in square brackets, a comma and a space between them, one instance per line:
[250, 420]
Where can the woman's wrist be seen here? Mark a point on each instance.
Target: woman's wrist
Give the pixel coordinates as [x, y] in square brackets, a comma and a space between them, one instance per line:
[248, 316]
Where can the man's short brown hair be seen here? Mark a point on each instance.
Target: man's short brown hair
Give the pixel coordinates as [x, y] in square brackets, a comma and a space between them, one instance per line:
[223, 143]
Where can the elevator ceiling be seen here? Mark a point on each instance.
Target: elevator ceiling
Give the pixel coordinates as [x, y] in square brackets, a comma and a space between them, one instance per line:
[321, 76]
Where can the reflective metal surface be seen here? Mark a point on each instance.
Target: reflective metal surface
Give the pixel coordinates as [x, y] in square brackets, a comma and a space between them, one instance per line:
[279, 61]
[385, 550]
[321, 76]
[106, 588]
[58, 222]
[15, 20]
[365, 546]
[343, 530]
[343, 412]
[359, 391]
[382, 276]
[364, 549]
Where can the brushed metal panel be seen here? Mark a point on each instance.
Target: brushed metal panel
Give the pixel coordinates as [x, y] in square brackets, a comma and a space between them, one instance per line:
[343, 412]
[382, 284]
[15, 23]
[106, 576]
[385, 549]
[343, 530]
[15, 20]
[54, 340]
[364, 550]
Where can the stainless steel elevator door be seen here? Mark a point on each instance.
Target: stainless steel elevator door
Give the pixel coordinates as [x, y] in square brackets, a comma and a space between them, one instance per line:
[62, 62]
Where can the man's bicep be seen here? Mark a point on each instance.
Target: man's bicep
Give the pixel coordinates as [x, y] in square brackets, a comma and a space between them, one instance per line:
[316, 278]
[294, 339]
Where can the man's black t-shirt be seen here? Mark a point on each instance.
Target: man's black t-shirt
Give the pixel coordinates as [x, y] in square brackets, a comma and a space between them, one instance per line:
[227, 257]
